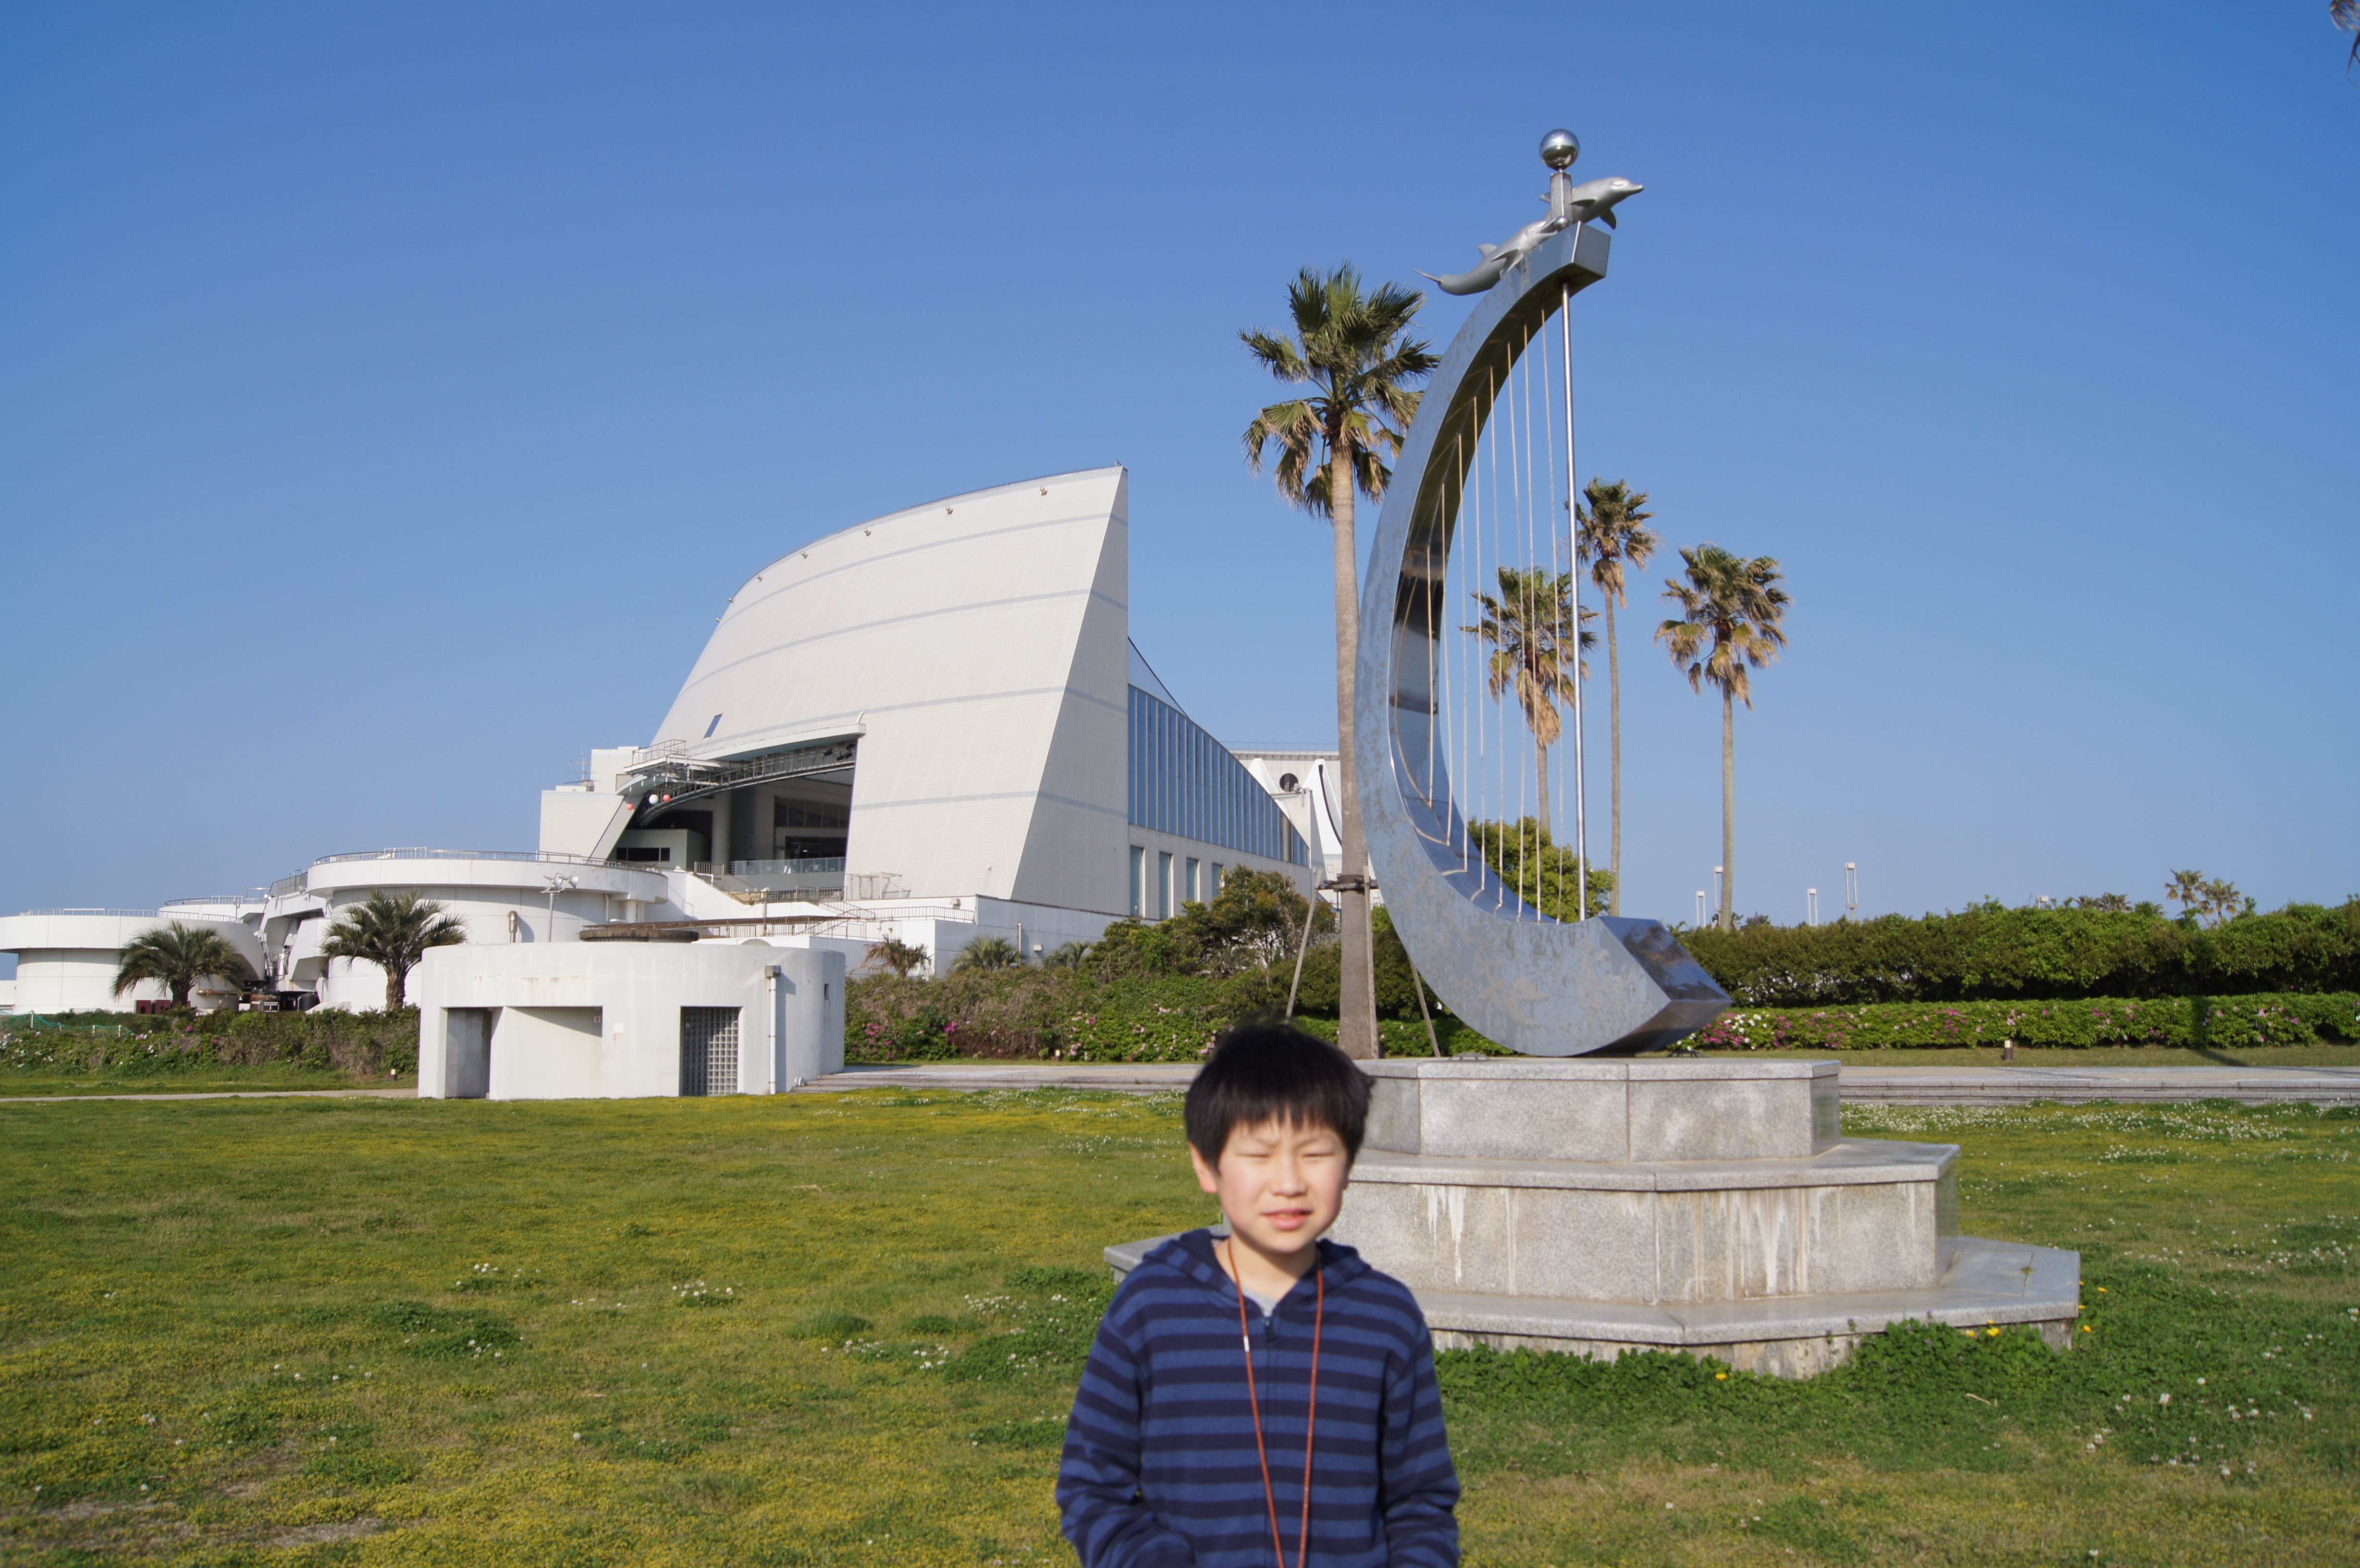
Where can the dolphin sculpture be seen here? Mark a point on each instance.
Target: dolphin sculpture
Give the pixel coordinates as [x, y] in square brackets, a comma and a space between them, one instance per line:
[1596, 199]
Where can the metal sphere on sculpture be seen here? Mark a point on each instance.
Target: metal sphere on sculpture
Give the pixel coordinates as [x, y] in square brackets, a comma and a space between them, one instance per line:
[1559, 149]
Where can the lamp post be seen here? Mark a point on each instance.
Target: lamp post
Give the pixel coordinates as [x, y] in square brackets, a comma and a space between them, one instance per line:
[1851, 888]
[1700, 908]
[1716, 893]
[557, 884]
[1813, 895]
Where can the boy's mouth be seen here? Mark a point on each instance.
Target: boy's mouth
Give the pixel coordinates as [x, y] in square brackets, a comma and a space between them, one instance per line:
[1287, 1219]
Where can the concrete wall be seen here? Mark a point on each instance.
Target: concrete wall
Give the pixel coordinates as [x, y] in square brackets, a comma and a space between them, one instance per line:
[583, 1021]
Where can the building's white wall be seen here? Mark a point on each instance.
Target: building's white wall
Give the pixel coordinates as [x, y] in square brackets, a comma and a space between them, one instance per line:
[66, 961]
[977, 647]
[548, 1053]
[542, 1046]
[1312, 807]
[76, 980]
[576, 822]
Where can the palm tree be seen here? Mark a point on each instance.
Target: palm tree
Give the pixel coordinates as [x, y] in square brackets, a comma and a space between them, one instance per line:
[1073, 955]
[1736, 606]
[179, 956]
[1354, 352]
[1526, 626]
[1610, 536]
[2186, 888]
[392, 933]
[2345, 14]
[987, 953]
[894, 954]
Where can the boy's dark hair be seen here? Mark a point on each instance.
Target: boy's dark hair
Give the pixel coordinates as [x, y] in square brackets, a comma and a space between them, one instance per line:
[1265, 1072]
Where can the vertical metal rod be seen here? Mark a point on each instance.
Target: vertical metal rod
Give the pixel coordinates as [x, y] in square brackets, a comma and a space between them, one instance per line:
[1572, 487]
[1302, 947]
[1417, 984]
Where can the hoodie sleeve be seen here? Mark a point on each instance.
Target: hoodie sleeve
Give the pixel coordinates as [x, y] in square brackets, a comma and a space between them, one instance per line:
[1421, 1495]
[1104, 1515]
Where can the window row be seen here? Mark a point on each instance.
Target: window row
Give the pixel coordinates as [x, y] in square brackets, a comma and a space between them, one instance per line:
[1185, 783]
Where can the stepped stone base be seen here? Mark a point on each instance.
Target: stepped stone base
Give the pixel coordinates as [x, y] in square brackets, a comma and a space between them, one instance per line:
[1713, 1207]
[1979, 1284]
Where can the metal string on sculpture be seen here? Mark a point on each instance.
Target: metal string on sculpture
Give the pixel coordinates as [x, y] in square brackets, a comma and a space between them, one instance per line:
[1472, 511]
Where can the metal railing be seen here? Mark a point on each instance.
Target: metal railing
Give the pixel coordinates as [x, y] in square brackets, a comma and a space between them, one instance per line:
[677, 777]
[113, 914]
[287, 886]
[823, 865]
[548, 856]
[218, 899]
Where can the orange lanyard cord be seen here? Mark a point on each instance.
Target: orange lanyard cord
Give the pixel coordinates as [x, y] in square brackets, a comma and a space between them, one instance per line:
[1311, 1416]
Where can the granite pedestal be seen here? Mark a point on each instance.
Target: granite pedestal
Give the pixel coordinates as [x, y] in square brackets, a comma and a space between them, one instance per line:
[1595, 1206]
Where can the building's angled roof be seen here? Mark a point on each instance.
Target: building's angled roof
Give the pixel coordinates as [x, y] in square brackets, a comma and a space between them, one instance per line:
[978, 648]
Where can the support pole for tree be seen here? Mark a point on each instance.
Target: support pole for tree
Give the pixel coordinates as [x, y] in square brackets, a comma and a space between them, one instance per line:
[1301, 947]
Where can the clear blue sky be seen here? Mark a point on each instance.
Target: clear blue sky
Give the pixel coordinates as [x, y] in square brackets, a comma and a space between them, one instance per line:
[391, 395]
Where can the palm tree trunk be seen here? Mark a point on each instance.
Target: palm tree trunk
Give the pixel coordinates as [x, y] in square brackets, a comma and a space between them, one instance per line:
[1614, 680]
[393, 989]
[1727, 811]
[1357, 1003]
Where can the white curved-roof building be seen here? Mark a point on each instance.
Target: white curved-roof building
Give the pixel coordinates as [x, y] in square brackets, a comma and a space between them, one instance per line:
[932, 726]
[944, 702]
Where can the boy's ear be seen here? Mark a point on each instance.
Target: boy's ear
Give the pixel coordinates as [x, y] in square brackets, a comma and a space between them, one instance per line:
[1208, 1176]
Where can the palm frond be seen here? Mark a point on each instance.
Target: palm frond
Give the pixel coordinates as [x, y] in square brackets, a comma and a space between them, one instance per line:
[1352, 346]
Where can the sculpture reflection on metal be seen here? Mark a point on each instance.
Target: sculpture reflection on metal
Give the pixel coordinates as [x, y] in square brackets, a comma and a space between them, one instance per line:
[1533, 983]
[1568, 205]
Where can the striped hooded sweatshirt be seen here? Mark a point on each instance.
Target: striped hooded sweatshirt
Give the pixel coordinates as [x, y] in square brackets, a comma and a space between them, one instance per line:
[1160, 1469]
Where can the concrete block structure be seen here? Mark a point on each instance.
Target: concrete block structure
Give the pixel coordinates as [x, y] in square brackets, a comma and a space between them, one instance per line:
[579, 1021]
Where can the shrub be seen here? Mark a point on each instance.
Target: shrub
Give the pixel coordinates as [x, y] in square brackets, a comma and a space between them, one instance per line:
[2202, 1022]
[365, 1044]
[1991, 953]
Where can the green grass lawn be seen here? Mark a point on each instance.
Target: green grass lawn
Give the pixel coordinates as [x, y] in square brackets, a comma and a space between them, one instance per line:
[212, 1077]
[843, 1329]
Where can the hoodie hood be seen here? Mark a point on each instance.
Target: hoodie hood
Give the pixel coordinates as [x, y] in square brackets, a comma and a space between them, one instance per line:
[1191, 1253]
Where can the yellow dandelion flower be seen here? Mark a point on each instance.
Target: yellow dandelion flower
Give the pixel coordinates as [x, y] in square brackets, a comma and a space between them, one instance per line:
[1721, 1377]
[2087, 1329]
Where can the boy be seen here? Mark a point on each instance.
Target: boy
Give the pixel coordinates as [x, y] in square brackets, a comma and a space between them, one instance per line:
[1263, 1398]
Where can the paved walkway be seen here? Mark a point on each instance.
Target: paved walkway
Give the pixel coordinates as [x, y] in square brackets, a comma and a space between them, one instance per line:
[1948, 1085]
[1994, 1086]
[2018, 1085]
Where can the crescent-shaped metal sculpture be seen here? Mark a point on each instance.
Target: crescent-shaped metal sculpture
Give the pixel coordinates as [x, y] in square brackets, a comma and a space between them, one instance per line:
[1532, 982]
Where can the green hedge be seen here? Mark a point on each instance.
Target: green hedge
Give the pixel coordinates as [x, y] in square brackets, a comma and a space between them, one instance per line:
[1989, 953]
[1059, 1014]
[367, 1045]
[2213, 1022]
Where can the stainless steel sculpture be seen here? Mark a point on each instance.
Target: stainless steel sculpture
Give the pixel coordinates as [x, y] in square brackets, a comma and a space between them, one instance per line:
[1568, 205]
[1532, 982]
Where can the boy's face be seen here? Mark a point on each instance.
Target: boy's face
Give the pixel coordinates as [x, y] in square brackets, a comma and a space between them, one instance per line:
[1281, 1184]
